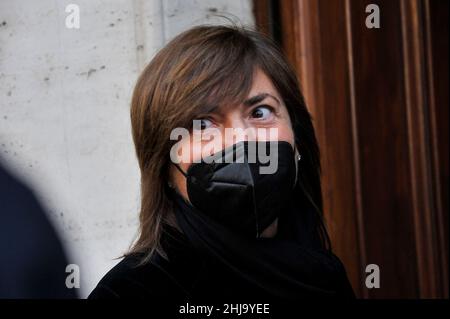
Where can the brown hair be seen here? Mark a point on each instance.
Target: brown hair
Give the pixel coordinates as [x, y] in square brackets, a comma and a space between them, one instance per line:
[200, 69]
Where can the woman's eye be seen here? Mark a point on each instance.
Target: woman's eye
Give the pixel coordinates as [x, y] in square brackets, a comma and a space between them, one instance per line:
[204, 124]
[261, 112]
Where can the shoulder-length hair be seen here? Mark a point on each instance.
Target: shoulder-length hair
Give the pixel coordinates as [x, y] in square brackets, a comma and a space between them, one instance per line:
[198, 70]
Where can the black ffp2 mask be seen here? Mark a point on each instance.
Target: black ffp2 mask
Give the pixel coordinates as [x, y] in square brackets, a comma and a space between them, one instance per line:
[246, 186]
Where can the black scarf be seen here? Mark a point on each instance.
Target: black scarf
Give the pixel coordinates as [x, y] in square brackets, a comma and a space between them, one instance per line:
[289, 266]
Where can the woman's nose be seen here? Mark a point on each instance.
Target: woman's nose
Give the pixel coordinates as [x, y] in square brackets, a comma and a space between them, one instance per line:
[237, 130]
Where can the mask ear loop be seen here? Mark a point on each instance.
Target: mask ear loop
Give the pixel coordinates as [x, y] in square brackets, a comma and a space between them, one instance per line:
[181, 171]
[298, 157]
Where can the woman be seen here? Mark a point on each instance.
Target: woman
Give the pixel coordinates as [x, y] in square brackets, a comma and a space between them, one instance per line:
[212, 230]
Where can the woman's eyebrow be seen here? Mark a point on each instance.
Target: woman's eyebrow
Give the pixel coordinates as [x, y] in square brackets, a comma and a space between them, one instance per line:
[258, 98]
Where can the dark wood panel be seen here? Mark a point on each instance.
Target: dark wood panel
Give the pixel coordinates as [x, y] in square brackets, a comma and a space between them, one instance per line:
[384, 153]
[334, 123]
[263, 16]
[436, 15]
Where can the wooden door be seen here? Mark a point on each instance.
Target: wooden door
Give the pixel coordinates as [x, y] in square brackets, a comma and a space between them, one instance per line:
[379, 100]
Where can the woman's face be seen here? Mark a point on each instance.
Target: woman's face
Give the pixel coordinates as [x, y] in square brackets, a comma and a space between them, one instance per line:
[257, 117]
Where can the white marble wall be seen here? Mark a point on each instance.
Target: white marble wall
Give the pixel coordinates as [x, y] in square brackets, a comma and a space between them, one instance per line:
[64, 110]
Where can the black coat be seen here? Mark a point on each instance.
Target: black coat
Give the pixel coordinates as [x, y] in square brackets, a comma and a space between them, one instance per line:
[185, 277]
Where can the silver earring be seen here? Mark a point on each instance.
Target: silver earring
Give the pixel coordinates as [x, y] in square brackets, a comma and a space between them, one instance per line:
[299, 157]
